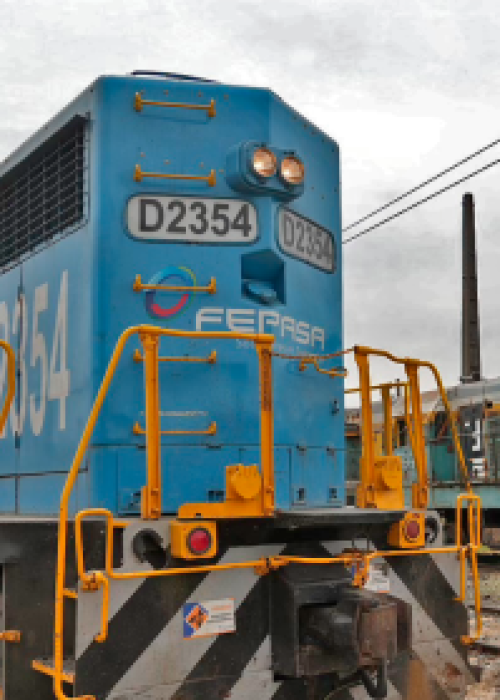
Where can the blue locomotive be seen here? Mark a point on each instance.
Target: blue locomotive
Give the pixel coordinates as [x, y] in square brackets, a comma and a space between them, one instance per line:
[205, 219]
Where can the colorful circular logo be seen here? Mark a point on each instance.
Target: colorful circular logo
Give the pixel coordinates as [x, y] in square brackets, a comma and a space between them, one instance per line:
[172, 276]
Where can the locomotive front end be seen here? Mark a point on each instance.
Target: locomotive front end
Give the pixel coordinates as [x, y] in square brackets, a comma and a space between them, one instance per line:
[219, 211]
[200, 538]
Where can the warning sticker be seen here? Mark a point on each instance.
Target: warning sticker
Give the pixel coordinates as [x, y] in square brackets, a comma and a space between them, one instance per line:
[378, 578]
[209, 617]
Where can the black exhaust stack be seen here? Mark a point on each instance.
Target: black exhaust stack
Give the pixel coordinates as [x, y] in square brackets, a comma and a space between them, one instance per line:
[471, 348]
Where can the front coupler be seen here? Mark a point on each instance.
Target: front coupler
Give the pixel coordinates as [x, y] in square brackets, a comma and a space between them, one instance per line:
[321, 624]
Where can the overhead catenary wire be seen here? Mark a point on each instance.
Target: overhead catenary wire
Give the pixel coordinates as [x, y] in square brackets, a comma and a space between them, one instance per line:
[411, 191]
[435, 194]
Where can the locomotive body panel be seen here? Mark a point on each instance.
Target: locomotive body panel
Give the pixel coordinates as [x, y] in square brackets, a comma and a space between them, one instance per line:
[82, 288]
[45, 307]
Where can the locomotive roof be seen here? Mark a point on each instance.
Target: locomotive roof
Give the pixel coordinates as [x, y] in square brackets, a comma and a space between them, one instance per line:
[75, 107]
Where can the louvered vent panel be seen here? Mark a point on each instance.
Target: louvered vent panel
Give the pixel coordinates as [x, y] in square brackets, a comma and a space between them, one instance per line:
[44, 195]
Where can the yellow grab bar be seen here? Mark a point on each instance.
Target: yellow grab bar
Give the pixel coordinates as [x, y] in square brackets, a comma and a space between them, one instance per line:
[374, 387]
[211, 430]
[210, 360]
[474, 518]
[210, 179]
[138, 286]
[408, 421]
[11, 382]
[334, 372]
[139, 103]
[474, 521]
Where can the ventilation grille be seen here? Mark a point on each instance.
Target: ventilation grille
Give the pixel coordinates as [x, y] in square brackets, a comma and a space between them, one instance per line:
[43, 196]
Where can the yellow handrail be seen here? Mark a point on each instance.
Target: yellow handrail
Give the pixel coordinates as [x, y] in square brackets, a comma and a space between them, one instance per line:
[139, 103]
[451, 417]
[11, 382]
[416, 435]
[94, 580]
[210, 360]
[211, 430]
[374, 387]
[333, 372]
[263, 343]
[409, 426]
[210, 179]
[138, 286]
[360, 560]
[387, 410]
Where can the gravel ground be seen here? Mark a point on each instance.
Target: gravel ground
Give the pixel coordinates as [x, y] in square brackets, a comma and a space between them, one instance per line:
[489, 687]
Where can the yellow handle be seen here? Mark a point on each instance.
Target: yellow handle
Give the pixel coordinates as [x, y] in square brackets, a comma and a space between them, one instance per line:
[211, 430]
[210, 360]
[13, 636]
[139, 103]
[334, 372]
[210, 179]
[11, 382]
[138, 286]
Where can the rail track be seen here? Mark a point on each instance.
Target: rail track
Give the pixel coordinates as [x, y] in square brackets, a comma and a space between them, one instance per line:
[484, 656]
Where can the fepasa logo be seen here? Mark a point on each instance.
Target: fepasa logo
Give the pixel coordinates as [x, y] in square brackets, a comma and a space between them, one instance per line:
[167, 305]
[171, 305]
[260, 321]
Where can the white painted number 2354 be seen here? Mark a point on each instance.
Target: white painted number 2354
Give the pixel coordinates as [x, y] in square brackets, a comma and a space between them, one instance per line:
[54, 374]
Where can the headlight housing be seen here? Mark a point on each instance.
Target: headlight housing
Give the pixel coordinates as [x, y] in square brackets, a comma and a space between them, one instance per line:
[260, 168]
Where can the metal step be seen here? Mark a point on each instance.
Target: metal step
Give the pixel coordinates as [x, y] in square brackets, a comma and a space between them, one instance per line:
[46, 666]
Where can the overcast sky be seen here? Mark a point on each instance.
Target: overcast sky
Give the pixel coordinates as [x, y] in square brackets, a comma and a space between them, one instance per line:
[406, 88]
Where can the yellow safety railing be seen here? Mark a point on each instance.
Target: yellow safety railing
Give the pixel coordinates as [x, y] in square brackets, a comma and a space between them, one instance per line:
[11, 382]
[333, 372]
[360, 561]
[416, 433]
[385, 389]
[151, 501]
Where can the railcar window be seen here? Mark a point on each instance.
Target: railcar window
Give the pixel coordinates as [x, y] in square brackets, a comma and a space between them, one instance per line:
[43, 195]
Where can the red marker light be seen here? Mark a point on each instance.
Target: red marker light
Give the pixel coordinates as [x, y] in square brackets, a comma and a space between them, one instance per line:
[412, 529]
[199, 541]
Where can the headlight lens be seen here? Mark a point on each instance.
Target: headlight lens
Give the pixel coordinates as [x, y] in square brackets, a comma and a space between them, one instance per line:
[264, 162]
[292, 170]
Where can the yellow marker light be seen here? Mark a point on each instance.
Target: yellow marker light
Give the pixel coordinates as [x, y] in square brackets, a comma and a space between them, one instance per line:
[292, 170]
[264, 162]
